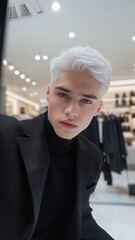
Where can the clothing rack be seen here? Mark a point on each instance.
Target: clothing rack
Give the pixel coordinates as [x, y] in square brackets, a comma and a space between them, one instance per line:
[111, 143]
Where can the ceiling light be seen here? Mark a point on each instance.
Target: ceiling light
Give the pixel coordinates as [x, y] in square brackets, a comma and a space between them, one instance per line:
[31, 94]
[27, 79]
[22, 76]
[34, 83]
[35, 93]
[71, 35]
[133, 38]
[5, 62]
[37, 57]
[16, 72]
[11, 67]
[43, 100]
[134, 65]
[45, 57]
[55, 6]
[24, 88]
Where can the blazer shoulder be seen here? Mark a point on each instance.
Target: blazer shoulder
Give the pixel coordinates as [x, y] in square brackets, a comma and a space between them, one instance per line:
[92, 153]
[88, 145]
[9, 126]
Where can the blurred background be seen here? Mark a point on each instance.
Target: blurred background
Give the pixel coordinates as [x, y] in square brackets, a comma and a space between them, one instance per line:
[38, 30]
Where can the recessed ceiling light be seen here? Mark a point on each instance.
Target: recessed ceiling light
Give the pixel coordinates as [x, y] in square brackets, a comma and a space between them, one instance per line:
[45, 57]
[27, 79]
[34, 83]
[24, 88]
[133, 38]
[31, 94]
[55, 6]
[134, 64]
[43, 100]
[11, 67]
[71, 35]
[22, 76]
[16, 72]
[37, 57]
[5, 62]
[35, 93]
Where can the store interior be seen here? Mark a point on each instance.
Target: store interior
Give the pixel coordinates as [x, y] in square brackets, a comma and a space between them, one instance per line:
[36, 31]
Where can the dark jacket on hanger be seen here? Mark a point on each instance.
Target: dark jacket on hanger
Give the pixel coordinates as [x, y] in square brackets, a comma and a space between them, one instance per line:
[92, 133]
[113, 143]
[24, 164]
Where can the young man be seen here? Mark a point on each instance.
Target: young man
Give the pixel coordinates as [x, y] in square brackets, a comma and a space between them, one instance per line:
[47, 169]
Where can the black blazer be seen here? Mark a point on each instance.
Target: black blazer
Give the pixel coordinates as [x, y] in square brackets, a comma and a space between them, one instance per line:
[24, 163]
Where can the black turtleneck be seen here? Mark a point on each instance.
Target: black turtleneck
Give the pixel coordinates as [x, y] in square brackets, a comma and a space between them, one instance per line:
[59, 189]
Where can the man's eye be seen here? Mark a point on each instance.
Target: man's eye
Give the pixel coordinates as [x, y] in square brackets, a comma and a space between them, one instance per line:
[62, 95]
[86, 101]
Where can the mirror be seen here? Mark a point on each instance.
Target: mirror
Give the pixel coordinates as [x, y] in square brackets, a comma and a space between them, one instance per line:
[35, 34]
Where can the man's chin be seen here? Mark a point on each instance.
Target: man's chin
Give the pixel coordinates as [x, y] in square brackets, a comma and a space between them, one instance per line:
[65, 136]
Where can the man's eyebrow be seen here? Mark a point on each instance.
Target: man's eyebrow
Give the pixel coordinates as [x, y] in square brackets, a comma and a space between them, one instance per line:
[82, 94]
[89, 96]
[63, 89]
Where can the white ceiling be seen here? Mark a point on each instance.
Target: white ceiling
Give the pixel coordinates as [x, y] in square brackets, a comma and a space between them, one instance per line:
[107, 25]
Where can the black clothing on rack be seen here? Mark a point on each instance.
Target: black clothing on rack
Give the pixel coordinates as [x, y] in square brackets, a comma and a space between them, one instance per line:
[113, 143]
[113, 146]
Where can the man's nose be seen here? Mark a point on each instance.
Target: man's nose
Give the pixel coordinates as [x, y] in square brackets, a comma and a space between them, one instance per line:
[71, 110]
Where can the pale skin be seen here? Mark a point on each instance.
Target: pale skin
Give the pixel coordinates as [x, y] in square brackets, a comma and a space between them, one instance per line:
[73, 100]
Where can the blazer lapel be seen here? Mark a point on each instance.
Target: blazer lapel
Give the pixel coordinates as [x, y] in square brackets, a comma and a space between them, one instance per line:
[35, 154]
[83, 171]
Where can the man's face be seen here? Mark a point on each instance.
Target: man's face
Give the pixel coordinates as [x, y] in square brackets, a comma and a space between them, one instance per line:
[73, 100]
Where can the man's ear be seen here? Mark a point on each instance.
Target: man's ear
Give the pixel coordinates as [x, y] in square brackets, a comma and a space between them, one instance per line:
[99, 108]
[48, 92]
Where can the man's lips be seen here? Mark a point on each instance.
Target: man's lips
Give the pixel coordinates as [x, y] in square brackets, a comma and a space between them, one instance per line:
[67, 123]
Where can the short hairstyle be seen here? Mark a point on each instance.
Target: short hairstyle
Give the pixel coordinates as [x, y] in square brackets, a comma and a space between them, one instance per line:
[83, 59]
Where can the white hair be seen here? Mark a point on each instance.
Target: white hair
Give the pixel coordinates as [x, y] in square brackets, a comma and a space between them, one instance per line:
[83, 59]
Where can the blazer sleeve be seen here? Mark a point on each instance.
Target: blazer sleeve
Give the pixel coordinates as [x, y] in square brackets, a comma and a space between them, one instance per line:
[90, 229]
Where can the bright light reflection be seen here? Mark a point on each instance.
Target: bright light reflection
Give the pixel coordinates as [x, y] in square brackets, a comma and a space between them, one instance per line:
[11, 67]
[37, 57]
[16, 72]
[27, 79]
[55, 6]
[71, 35]
[22, 76]
[24, 88]
[5, 62]
[45, 57]
[34, 83]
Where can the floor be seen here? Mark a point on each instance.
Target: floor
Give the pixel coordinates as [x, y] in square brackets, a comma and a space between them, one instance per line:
[114, 208]
[118, 221]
